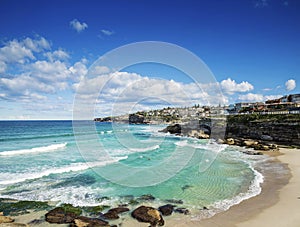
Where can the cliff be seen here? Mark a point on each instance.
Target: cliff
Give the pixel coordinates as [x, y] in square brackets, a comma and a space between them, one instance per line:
[278, 128]
[255, 129]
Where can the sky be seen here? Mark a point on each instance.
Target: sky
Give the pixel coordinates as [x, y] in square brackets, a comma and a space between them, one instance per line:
[47, 48]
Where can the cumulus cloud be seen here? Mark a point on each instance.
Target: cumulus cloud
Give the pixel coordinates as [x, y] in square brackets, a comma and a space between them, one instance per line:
[57, 55]
[21, 51]
[123, 92]
[107, 32]
[78, 26]
[290, 85]
[250, 97]
[229, 86]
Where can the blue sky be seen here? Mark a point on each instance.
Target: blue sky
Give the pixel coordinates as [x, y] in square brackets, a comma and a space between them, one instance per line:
[46, 47]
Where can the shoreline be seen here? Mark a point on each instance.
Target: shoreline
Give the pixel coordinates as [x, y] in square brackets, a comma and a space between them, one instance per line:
[277, 200]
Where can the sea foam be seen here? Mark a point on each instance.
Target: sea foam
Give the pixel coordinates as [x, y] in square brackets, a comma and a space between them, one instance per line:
[42, 149]
[74, 167]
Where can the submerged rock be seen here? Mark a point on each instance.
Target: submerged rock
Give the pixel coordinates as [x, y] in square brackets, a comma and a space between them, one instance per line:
[182, 210]
[113, 213]
[166, 210]
[147, 197]
[176, 201]
[64, 214]
[148, 215]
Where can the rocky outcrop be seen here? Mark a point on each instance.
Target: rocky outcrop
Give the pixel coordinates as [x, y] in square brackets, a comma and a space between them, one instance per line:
[148, 215]
[166, 210]
[60, 216]
[114, 213]
[136, 119]
[270, 129]
[5, 219]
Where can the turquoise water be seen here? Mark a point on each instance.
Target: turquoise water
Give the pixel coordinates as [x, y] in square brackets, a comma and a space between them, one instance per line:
[40, 160]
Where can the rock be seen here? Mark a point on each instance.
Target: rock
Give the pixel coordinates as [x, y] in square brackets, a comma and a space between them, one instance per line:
[173, 129]
[36, 222]
[87, 222]
[182, 211]
[147, 197]
[148, 215]
[5, 219]
[273, 147]
[110, 215]
[220, 141]
[230, 141]
[179, 201]
[166, 210]
[136, 119]
[119, 210]
[60, 216]
[203, 135]
[249, 143]
[266, 137]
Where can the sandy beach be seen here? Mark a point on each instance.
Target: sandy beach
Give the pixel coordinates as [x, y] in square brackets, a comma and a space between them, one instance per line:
[277, 205]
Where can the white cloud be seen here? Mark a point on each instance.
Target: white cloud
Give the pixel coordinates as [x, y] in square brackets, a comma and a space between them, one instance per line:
[78, 26]
[290, 85]
[107, 32]
[126, 91]
[229, 86]
[21, 52]
[57, 55]
[250, 97]
[15, 52]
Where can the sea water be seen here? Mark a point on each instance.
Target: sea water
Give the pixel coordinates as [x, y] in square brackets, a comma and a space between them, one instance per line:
[41, 160]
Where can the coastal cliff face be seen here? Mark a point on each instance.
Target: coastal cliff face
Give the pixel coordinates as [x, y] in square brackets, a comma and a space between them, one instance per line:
[283, 129]
[280, 128]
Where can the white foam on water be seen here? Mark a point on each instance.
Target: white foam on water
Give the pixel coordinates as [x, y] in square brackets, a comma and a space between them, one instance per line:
[12, 178]
[43, 149]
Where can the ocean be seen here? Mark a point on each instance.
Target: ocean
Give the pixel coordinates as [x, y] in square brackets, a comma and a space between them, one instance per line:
[41, 161]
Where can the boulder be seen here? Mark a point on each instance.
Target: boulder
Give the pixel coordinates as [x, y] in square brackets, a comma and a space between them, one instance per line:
[60, 216]
[110, 215]
[119, 210]
[148, 215]
[182, 211]
[266, 137]
[173, 129]
[249, 143]
[230, 141]
[86, 222]
[5, 219]
[166, 210]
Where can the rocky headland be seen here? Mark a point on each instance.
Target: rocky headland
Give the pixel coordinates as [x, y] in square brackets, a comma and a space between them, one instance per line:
[261, 132]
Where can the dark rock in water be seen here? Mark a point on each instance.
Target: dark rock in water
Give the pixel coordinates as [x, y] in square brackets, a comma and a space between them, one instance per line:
[147, 197]
[110, 215]
[175, 201]
[85, 221]
[166, 210]
[173, 129]
[95, 210]
[60, 216]
[186, 187]
[119, 210]
[113, 213]
[136, 119]
[182, 211]
[148, 215]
